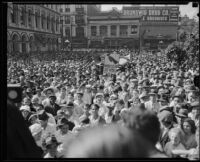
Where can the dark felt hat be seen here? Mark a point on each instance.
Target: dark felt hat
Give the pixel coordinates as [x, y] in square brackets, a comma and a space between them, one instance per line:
[62, 121]
[183, 113]
[42, 115]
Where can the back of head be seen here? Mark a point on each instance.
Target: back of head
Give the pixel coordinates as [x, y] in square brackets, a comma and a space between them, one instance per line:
[145, 122]
[108, 142]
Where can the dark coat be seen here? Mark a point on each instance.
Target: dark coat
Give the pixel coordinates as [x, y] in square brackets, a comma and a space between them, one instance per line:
[163, 140]
[52, 109]
[20, 143]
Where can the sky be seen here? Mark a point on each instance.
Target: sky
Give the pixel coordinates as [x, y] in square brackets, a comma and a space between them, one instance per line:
[184, 9]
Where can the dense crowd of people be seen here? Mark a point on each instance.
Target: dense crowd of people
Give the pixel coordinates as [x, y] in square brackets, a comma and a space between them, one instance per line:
[74, 109]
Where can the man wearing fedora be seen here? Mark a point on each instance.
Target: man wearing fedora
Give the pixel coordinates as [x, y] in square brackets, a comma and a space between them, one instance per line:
[52, 107]
[48, 91]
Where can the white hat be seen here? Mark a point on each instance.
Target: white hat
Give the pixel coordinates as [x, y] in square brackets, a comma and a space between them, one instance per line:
[35, 128]
[99, 94]
[25, 107]
[114, 97]
[88, 86]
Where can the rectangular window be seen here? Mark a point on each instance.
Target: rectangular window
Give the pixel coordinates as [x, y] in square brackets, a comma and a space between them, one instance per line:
[52, 26]
[79, 9]
[42, 21]
[67, 9]
[48, 23]
[113, 30]
[67, 32]
[36, 20]
[21, 17]
[14, 14]
[29, 18]
[123, 30]
[79, 19]
[134, 29]
[67, 19]
[61, 9]
[103, 30]
[93, 30]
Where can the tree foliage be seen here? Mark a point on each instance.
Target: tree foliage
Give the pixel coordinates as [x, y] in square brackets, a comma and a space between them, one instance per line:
[186, 49]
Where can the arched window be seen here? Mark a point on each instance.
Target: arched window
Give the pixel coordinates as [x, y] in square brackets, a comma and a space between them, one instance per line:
[32, 45]
[15, 40]
[80, 32]
[24, 41]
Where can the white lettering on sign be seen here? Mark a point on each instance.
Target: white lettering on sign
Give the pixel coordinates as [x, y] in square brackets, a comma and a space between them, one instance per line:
[154, 12]
[153, 18]
[165, 12]
[135, 12]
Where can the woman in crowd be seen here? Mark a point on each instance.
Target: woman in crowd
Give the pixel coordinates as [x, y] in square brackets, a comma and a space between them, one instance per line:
[62, 97]
[174, 143]
[189, 129]
[95, 118]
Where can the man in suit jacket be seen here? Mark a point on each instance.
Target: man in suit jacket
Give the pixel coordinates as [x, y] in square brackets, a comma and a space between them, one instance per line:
[166, 120]
[52, 107]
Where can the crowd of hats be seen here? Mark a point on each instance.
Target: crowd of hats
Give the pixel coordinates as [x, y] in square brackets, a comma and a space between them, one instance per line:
[149, 77]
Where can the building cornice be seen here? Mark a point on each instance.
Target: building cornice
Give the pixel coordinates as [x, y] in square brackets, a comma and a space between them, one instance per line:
[31, 30]
[46, 8]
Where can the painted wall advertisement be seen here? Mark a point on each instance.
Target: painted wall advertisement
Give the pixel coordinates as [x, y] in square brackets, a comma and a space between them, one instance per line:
[156, 14]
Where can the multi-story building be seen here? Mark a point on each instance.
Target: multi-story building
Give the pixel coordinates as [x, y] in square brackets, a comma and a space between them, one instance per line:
[52, 27]
[33, 28]
[112, 29]
[74, 25]
[158, 25]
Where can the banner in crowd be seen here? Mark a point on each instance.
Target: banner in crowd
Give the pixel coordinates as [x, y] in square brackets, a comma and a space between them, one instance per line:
[110, 63]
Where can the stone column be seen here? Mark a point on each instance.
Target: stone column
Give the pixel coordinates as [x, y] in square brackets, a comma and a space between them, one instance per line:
[129, 30]
[109, 31]
[118, 28]
[98, 30]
